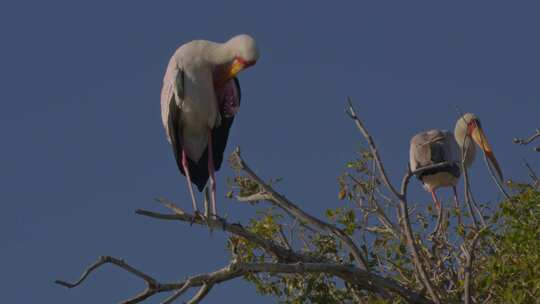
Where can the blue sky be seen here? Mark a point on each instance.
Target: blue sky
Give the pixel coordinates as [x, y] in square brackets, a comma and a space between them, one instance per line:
[83, 145]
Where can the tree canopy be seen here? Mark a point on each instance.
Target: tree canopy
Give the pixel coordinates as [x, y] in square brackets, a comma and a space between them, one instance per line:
[379, 246]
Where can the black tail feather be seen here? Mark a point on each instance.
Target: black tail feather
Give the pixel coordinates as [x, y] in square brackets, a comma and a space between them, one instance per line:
[199, 170]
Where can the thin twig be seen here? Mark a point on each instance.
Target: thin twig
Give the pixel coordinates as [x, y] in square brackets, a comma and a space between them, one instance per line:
[206, 281]
[469, 258]
[179, 292]
[524, 142]
[411, 243]
[281, 253]
[350, 274]
[352, 114]
[495, 179]
[403, 209]
[203, 291]
[109, 260]
[468, 194]
[532, 173]
[283, 203]
[152, 284]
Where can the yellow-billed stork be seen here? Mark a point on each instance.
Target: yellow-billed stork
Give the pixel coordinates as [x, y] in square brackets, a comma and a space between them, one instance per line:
[199, 99]
[439, 146]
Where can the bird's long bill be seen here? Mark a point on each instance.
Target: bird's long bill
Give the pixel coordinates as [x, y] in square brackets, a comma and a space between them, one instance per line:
[235, 68]
[229, 72]
[481, 140]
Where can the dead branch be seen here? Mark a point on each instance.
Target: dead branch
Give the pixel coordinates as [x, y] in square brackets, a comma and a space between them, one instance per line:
[279, 252]
[527, 141]
[401, 196]
[467, 269]
[289, 262]
[152, 285]
[495, 179]
[280, 201]
[282, 258]
[360, 126]
[350, 274]
[532, 174]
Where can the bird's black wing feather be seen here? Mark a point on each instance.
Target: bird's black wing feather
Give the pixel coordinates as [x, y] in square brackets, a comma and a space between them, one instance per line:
[174, 119]
[220, 135]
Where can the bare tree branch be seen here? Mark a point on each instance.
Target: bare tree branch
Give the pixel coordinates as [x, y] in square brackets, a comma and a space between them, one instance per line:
[187, 285]
[404, 212]
[280, 201]
[495, 179]
[360, 125]
[525, 142]
[203, 291]
[469, 258]
[152, 284]
[417, 273]
[532, 174]
[279, 252]
[469, 200]
[209, 279]
[348, 273]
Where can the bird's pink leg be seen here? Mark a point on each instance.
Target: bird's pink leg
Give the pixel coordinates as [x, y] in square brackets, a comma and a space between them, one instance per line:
[188, 176]
[211, 170]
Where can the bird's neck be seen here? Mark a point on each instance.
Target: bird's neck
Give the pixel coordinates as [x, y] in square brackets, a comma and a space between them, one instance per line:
[219, 54]
[465, 143]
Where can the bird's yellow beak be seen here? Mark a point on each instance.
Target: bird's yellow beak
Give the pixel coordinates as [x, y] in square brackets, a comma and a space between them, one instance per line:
[480, 139]
[232, 70]
[235, 68]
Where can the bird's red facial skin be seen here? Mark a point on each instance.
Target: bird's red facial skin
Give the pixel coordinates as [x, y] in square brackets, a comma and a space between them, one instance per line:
[471, 126]
[245, 63]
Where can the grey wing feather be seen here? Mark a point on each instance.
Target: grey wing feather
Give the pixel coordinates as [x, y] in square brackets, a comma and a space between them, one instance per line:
[432, 147]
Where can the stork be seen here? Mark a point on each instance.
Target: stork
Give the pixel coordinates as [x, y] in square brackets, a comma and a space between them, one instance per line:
[438, 146]
[199, 100]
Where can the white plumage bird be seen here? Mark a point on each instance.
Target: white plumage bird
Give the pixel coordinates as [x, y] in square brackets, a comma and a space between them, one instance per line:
[199, 99]
[439, 146]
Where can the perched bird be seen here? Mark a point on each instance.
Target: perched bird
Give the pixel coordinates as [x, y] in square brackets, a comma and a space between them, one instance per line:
[438, 146]
[199, 100]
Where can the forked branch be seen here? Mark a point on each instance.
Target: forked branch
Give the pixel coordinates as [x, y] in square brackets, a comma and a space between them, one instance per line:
[296, 212]
[288, 262]
[527, 141]
[403, 209]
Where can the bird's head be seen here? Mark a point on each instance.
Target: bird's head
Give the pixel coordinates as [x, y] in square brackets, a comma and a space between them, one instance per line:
[245, 54]
[473, 127]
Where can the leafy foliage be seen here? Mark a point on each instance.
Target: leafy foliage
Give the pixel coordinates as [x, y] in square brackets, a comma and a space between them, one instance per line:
[503, 238]
[512, 273]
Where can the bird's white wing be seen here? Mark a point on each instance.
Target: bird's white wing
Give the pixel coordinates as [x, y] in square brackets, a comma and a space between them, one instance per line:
[172, 93]
[172, 96]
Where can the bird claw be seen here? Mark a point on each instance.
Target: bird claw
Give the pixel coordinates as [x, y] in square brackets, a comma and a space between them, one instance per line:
[197, 215]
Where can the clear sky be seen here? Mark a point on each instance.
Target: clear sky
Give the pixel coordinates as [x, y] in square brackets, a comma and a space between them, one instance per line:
[83, 145]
